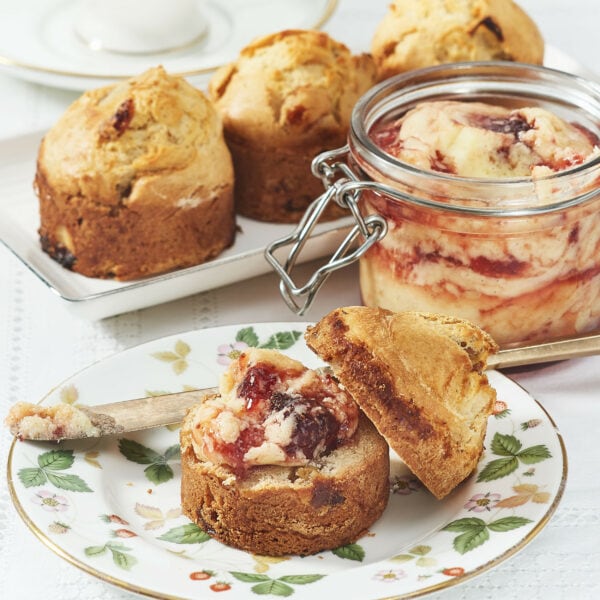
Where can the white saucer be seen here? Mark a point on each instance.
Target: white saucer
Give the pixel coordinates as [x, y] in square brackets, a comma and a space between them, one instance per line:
[38, 41]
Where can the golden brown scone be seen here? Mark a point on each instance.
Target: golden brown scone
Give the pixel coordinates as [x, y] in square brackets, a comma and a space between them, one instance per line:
[278, 510]
[287, 97]
[135, 179]
[413, 35]
[281, 461]
[418, 377]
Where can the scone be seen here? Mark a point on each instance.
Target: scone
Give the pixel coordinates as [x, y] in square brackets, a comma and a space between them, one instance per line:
[287, 98]
[418, 377]
[282, 461]
[414, 35]
[135, 179]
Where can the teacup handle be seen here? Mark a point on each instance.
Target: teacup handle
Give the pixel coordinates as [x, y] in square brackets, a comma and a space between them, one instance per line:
[345, 188]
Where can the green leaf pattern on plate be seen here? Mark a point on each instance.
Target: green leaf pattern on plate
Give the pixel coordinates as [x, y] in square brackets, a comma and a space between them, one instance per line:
[282, 586]
[48, 465]
[277, 341]
[509, 448]
[475, 532]
[185, 534]
[120, 554]
[350, 552]
[158, 471]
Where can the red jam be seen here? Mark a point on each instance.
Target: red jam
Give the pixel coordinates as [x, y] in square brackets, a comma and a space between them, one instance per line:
[276, 412]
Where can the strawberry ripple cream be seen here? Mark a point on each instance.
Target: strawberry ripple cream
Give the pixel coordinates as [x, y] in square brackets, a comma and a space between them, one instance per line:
[496, 211]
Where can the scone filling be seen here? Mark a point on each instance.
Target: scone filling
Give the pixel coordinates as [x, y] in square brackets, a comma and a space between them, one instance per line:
[35, 422]
[272, 410]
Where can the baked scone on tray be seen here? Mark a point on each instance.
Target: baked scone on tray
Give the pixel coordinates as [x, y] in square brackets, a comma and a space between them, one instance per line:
[419, 378]
[282, 461]
[286, 98]
[135, 179]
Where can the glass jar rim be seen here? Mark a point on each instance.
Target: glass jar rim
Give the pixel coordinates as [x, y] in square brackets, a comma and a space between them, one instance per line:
[463, 79]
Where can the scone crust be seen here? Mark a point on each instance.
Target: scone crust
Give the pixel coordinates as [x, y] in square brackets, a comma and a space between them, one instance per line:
[418, 378]
[288, 97]
[136, 179]
[276, 511]
[414, 35]
[277, 185]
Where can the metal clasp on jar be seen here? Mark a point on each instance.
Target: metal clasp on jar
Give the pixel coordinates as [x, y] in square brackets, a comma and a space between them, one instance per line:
[345, 188]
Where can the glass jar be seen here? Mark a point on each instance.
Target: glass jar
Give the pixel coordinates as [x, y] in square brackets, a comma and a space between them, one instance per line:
[520, 256]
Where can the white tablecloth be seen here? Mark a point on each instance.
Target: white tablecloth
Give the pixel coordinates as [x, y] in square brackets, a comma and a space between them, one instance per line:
[41, 344]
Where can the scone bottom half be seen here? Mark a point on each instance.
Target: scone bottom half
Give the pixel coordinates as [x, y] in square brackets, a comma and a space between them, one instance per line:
[277, 511]
[419, 378]
[293, 469]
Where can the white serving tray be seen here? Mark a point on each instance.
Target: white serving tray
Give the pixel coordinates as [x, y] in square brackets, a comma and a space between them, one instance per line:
[95, 298]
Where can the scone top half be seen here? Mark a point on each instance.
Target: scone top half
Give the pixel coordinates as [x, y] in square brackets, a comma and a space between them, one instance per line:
[418, 377]
[294, 87]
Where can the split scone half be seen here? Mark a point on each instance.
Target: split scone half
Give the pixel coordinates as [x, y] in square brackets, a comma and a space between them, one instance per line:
[282, 461]
[419, 378]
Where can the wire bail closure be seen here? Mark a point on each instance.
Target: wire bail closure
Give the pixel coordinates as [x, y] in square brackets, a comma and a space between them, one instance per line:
[343, 187]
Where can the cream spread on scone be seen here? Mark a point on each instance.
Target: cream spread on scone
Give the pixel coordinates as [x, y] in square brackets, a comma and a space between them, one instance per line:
[34, 422]
[272, 410]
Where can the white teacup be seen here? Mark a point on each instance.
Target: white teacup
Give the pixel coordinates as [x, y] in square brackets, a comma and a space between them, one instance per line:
[139, 26]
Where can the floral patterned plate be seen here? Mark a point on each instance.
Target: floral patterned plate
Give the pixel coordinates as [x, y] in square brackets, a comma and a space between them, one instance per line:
[111, 506]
